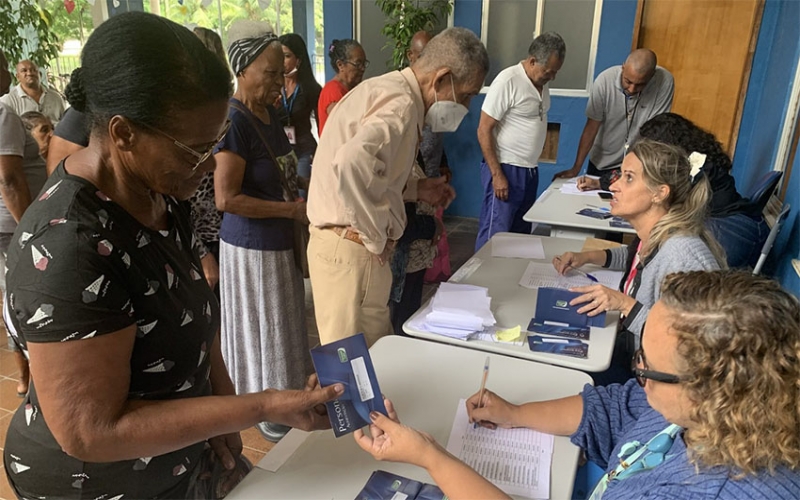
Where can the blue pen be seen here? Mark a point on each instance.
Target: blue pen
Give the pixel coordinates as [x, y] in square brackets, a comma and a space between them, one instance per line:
[583, 273]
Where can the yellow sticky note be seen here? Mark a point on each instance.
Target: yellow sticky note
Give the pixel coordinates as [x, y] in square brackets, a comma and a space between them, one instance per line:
[509, 335]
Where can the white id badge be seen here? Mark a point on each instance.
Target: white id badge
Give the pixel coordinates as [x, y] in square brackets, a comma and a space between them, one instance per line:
[290, 134]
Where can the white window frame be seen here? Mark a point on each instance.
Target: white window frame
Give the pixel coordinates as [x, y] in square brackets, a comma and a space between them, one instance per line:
[788, 129]
[540, 5]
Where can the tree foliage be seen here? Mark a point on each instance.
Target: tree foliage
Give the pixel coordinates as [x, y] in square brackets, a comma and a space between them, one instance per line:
[26, 34]
[406, 17]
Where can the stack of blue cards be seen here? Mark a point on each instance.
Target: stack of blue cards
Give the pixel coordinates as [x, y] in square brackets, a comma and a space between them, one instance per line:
[383, 485]
[619, 222]
[601, 213]
[347, 362]
[564, 329]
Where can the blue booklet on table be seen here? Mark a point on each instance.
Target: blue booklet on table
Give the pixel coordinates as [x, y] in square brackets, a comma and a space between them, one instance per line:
[347, 361]
[385, 485]
[554, 316]
[565, 347]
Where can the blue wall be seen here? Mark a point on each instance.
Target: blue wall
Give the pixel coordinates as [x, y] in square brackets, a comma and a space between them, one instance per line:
[337, 18]
[463, 151]
[766, 103]
[774, 65]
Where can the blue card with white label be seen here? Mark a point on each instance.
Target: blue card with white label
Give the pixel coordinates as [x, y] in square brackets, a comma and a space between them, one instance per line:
[347, 361]
[552, 305]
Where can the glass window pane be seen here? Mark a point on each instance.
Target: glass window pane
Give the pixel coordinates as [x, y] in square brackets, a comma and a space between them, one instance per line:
[510, 29]
[573, 20]
[374, 43]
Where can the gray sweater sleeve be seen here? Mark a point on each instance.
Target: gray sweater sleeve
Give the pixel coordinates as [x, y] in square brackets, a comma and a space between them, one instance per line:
[619, 257]
[678, 253]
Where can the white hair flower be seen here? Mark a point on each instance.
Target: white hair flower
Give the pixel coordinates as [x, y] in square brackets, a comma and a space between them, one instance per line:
[696, 160]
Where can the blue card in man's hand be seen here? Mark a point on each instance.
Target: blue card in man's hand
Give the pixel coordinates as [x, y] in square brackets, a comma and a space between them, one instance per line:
[347, 362]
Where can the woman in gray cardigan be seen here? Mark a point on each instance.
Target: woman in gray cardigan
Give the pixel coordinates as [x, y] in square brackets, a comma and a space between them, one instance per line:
[664, 198]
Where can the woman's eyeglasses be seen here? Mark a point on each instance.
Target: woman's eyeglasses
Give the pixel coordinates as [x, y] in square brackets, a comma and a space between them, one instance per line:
[642, 374]
[201, 157]
[358, 64]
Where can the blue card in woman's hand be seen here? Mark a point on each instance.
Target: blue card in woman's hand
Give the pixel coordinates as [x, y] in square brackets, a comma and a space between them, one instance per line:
[347, 361]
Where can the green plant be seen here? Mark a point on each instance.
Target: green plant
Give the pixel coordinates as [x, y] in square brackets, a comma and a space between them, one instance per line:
[25, 32]
[406, 17]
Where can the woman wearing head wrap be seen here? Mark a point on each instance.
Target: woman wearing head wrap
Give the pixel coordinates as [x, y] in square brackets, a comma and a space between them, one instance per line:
[298, 100]
[129, 396]
[349, 61]
[263, 319]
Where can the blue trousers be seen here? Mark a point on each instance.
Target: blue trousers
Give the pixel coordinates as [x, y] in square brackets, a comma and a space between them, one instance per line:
[741, 236]
[506, 216]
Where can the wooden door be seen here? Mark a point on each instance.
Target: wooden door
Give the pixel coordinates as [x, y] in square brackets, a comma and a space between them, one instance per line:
[708, 47]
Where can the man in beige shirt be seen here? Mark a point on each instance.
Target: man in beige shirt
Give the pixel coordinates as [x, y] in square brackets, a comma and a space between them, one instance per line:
[362, 177]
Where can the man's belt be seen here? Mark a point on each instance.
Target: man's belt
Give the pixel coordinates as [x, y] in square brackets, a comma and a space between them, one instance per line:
[346, 234]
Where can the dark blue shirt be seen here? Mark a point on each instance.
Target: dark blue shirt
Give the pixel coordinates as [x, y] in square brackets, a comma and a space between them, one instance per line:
[261, 180]
[618, 414]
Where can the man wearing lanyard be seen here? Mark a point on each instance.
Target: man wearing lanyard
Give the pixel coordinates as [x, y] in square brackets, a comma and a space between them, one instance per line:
[621, 100]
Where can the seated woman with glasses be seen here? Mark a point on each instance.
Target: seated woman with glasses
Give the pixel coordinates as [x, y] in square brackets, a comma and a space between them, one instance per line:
[349, 61]
[665, 201]
[713, 412]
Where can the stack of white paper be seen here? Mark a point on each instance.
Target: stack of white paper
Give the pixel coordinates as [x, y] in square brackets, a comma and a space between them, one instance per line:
[459, 310]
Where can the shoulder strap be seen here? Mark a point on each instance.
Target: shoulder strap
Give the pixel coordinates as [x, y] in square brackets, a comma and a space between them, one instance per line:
[254, 123]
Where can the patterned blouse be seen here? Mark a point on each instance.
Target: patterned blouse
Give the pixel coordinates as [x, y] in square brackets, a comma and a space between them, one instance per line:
[80, 266]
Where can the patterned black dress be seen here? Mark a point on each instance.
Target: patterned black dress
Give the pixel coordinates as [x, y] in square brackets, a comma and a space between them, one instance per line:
[80, 266]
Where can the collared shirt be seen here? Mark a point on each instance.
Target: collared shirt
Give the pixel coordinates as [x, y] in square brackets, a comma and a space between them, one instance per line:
[50, 104]
[364, 159]
[521, 111]
[622, 116]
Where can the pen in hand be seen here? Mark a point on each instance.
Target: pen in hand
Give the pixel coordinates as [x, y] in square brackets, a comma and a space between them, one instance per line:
[581, 272]
[483, 387]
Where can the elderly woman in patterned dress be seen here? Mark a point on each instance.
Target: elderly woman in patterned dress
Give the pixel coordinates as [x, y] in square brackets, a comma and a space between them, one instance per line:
[129, 396]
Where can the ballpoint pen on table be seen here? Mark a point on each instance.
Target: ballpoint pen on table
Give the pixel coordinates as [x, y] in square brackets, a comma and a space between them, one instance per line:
[483, 387]
[582, 273]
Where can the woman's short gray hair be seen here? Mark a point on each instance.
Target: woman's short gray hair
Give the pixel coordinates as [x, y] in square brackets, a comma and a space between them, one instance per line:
[458, 49]
[544, 45]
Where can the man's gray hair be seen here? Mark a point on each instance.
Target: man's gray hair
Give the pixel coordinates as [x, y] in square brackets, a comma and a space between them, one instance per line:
[458, 49]
[544, 45]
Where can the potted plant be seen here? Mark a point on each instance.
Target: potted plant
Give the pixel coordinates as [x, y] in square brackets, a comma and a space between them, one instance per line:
[406, 17]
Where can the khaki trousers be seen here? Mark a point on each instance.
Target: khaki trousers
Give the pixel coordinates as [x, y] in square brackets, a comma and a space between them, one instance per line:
[349, 286]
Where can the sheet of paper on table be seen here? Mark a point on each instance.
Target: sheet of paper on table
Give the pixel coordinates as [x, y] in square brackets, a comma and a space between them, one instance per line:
[517, 461]
[539, 275]
[512, 246]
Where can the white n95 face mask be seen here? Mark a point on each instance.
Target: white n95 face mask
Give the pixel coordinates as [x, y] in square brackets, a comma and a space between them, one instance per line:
[446, 116]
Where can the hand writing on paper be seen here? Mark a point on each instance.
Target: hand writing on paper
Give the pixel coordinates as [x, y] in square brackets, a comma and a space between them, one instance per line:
[599, 299]
[492, 412]
[392, 441]
[588, 184]
[569, 260]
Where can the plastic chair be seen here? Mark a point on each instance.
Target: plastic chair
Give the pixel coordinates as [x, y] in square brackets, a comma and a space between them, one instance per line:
[764, 188]
[773, 233]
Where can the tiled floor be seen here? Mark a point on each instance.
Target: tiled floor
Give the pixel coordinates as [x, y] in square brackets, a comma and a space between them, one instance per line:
[461, 234]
